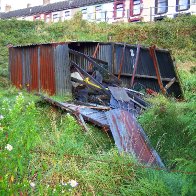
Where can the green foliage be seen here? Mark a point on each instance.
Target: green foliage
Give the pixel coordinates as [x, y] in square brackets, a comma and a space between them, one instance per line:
[188, 84]
[50, 149]
[171, 127]
[177, 35]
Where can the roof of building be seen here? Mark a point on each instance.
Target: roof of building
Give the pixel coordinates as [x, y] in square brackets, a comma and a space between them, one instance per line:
[63, 5]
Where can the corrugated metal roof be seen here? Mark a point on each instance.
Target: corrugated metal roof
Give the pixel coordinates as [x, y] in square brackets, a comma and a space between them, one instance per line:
[63, 5]
[130, 137]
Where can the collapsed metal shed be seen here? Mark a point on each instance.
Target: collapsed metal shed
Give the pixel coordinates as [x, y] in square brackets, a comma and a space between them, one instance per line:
[45, 67]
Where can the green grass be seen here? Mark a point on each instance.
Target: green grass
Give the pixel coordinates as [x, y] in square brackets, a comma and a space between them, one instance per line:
[49, 147]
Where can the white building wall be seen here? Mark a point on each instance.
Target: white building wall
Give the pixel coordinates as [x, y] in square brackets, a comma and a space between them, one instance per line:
[172, 12]
[105, 12]
[147, 10]
[28, 18]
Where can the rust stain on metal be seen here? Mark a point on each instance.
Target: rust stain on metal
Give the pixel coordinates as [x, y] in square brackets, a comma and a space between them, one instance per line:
[156, 66]
[16, 67]
[122, 61]
[39, 68]
[34, 84]
[94, 55]
[47, 77]
[130, 137]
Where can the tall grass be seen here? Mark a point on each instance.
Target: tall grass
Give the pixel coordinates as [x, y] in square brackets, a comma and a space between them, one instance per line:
[171, 127]
[50, 149]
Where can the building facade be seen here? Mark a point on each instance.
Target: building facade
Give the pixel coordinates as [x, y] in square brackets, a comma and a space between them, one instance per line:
[110, 11]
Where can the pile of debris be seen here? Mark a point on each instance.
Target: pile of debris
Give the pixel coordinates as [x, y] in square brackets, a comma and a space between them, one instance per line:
[108, 81]
[100, 99]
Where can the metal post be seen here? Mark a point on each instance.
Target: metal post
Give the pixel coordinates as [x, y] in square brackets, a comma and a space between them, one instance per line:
[94, 55]
[105, 16]
[122, 61]
[150, 14]
[156, 66]
[136, 64]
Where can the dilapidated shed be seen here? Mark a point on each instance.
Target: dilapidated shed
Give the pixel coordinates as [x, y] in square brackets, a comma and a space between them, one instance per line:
[45, 67]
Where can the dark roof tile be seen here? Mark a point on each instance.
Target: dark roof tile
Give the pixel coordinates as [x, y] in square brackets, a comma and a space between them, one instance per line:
[63, 5]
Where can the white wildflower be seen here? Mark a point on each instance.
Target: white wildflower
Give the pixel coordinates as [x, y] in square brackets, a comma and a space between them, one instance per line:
[9, 147]
[73, 183]
[1, 117]
[64, 184]
[32, 184]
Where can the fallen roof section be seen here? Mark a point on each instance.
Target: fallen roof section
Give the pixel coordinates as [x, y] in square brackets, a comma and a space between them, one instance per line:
[128, 135]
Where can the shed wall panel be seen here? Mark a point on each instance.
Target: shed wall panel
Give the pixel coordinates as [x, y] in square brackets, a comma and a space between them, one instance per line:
[62, 71]
[33, 56]
[16, 67]
[47, 69]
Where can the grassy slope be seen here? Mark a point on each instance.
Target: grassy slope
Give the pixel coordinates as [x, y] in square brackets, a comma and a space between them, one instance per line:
[30, 126]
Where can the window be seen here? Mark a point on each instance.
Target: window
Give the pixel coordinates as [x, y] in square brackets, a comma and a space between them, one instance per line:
[56, 17]
[38, 17]
[135, 7]
[84, 14]
[47, 17]
[119, 10]
[98, 12]
[182, 5]
[67, 14]
[161, 6]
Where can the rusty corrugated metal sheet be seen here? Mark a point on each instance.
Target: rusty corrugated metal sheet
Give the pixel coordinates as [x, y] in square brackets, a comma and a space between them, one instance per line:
[34, 84]
[47, 69]
[41, 68]
[104, 53]
[130, 137]
[62, 71]
[15, 60]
